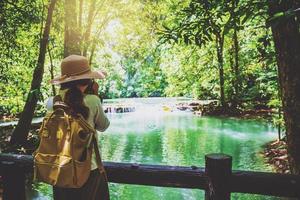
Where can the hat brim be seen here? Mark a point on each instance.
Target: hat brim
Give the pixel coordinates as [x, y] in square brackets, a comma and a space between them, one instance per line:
[89, 75]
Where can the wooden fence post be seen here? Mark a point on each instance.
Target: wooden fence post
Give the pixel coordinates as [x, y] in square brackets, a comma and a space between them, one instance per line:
[218, 170]
[13, 181]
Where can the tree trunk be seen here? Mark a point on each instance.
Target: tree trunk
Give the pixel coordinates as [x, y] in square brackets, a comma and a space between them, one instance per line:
[80, 23]
[20, 133]
[80, 15]
[51, 70]
[236, 66]
[92, 53]
[88, 30]
[72, 32]
[236, 48]
[287, 45]
[220, 43]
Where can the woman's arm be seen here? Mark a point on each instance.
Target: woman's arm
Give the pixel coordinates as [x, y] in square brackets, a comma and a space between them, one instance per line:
[101, 120]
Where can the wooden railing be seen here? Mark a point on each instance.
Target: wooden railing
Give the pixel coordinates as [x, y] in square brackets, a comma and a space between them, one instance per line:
[217, 178]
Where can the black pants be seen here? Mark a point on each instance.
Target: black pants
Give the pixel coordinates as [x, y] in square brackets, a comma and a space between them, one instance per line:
[96, 188]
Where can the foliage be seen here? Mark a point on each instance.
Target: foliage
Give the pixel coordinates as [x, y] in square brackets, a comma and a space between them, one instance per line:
[19, 36]
[148, 48]
[202, 22]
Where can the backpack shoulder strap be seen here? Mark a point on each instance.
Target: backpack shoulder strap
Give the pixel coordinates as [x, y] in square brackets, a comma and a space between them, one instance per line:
[93, 141]
[98, 157]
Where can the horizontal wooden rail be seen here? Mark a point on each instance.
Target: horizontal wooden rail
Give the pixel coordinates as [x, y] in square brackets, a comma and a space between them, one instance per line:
[272, 184]
[216, 179]
[156, 175]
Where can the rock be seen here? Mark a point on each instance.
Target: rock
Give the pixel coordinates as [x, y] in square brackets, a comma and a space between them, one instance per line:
[283, 157]
[276, 153]
[283, 151]
[198, 113]
[194, 104]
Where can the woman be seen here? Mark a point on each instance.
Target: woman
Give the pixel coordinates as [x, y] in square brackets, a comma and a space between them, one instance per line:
[75, 78]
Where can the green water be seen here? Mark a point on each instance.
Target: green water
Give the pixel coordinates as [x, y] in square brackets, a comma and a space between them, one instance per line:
[153, 136]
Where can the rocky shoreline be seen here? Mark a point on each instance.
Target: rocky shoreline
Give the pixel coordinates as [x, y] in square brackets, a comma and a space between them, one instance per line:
[275, 153]
[212, 108]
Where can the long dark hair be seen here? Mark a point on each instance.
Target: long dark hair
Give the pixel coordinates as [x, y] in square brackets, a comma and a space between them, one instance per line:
[74, 97]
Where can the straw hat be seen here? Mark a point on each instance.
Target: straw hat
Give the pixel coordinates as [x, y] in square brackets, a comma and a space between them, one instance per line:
[75, 67]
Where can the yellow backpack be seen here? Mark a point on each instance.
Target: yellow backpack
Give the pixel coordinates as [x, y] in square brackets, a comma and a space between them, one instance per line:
[63, 158]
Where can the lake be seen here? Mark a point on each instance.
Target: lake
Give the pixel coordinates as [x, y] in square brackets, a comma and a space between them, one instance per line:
[157, 133]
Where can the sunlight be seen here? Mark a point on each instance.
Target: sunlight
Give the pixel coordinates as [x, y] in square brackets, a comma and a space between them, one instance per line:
[113, 28]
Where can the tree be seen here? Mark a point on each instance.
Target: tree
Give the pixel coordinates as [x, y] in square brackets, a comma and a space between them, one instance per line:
[202, 22]
[285, 23]
[72, 32]
[87, 34]
[20, 133]
[240, 11]
[235, 63]
[18, 20]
